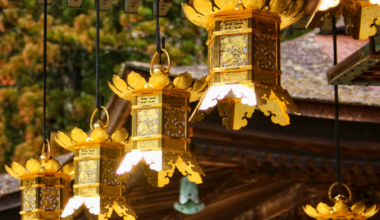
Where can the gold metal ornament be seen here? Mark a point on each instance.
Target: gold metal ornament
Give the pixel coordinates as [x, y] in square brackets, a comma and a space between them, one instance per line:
[244, 58]
[160, 130]
[45, 186]
[96, 187]
[360, 16]
[341, 211]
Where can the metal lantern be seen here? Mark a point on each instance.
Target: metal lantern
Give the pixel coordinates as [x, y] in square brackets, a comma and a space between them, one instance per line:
[362, 17]
[45, 187]
[96, 159]
[160, 130]
[341, 211]
[244, 58]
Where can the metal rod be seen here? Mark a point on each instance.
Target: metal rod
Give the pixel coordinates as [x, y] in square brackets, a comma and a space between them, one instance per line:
[158, 44]
[336, 100]
[97, 57]
[44, 72]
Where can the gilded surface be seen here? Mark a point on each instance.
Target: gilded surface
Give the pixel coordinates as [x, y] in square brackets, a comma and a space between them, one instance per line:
[234, 50]
[111, 191]
[174, 122]
[147, 122]
[201, 13]
[197, 116]
[234, 114]
[88, 152]
[147, 100]
[174, 100]
[265, 78]
[49, 215]
[29, 199]
[265, 27]
[87, 171]
[29, 216]
[87, 191]
[150, 144]
[233, 24]
[276, 109]
[29, 182]
[111, 152]
[361, 18]
[233, 76]
[50, 181]
[264, 53]
[211, 57]
[108, 174]
[50, 198]
[174, 144]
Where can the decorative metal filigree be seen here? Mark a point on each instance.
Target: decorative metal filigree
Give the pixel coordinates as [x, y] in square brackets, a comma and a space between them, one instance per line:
[233, 24]
[51, 198]
[109, 171]
[264, 53]
[30, 199]
[87, 171]
[234, 50]
[147, 122]
[174, 122]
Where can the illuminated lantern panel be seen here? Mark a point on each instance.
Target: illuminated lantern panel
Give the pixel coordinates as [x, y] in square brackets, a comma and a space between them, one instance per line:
[96, 185]
[44, 190]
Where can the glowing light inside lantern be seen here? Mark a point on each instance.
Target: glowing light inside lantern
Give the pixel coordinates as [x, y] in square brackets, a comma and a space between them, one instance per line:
[92, 203]
[215, 93]
[154, 158]
[326, 4]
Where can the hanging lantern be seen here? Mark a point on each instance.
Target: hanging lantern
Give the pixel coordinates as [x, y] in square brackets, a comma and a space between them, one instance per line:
[244, 58]
[45, 187]
[160, 130]
[96, 159]
[341, 211]
[188, 198]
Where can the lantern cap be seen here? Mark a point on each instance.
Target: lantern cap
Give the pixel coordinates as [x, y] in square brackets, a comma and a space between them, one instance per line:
[202, 12]
[341, 209]
[33, 166]
[158, 81]
[98, 135]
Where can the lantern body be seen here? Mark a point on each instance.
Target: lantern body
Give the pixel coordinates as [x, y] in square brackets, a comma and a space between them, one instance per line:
[245, 69]
[95, 169]
[160, 120]
[44, 195]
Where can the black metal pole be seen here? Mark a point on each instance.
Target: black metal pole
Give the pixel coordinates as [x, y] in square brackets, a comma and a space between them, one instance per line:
[44, 72]
[336, 100]
[158, 44]
[97, 57]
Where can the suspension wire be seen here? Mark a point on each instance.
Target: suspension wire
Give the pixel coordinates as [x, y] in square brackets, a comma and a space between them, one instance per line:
[336, 100]
[158, 43]
[97, 57]
[44, 73]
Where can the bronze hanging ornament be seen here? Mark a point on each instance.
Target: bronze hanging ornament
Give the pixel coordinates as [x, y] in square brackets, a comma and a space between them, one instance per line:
[244, 58]
[341, 211]
[45, 187]
[160, 129]
[97, 157]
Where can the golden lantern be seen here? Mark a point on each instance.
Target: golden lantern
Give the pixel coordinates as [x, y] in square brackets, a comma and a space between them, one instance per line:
[96, 159]
[160, 130]
[244, 58]
[341, 211]
[360, 16]
[45, 186]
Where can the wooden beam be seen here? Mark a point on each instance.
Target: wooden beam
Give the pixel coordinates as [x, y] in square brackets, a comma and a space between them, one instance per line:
[279, 204]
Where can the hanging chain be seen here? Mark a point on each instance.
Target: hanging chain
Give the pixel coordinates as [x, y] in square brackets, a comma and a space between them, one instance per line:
[97, 57]
[158, 43]
[336, 97]
[44, 74]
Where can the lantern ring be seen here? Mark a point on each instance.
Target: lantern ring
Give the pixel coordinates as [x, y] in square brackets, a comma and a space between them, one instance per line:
[93, 115]
[48, 149]
[154, 57]
[348, 189]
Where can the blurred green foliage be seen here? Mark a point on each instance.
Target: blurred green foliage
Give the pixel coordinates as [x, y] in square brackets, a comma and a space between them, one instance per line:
[71, 64]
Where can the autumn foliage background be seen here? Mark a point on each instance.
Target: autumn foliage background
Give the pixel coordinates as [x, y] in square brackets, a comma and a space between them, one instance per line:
[71, 64]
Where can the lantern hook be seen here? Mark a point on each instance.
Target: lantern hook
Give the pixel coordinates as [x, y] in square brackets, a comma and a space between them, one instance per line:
[166, 71]
[339, 196]
[93, 115]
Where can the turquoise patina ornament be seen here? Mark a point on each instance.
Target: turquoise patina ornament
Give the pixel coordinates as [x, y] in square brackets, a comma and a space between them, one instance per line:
[188, 198]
